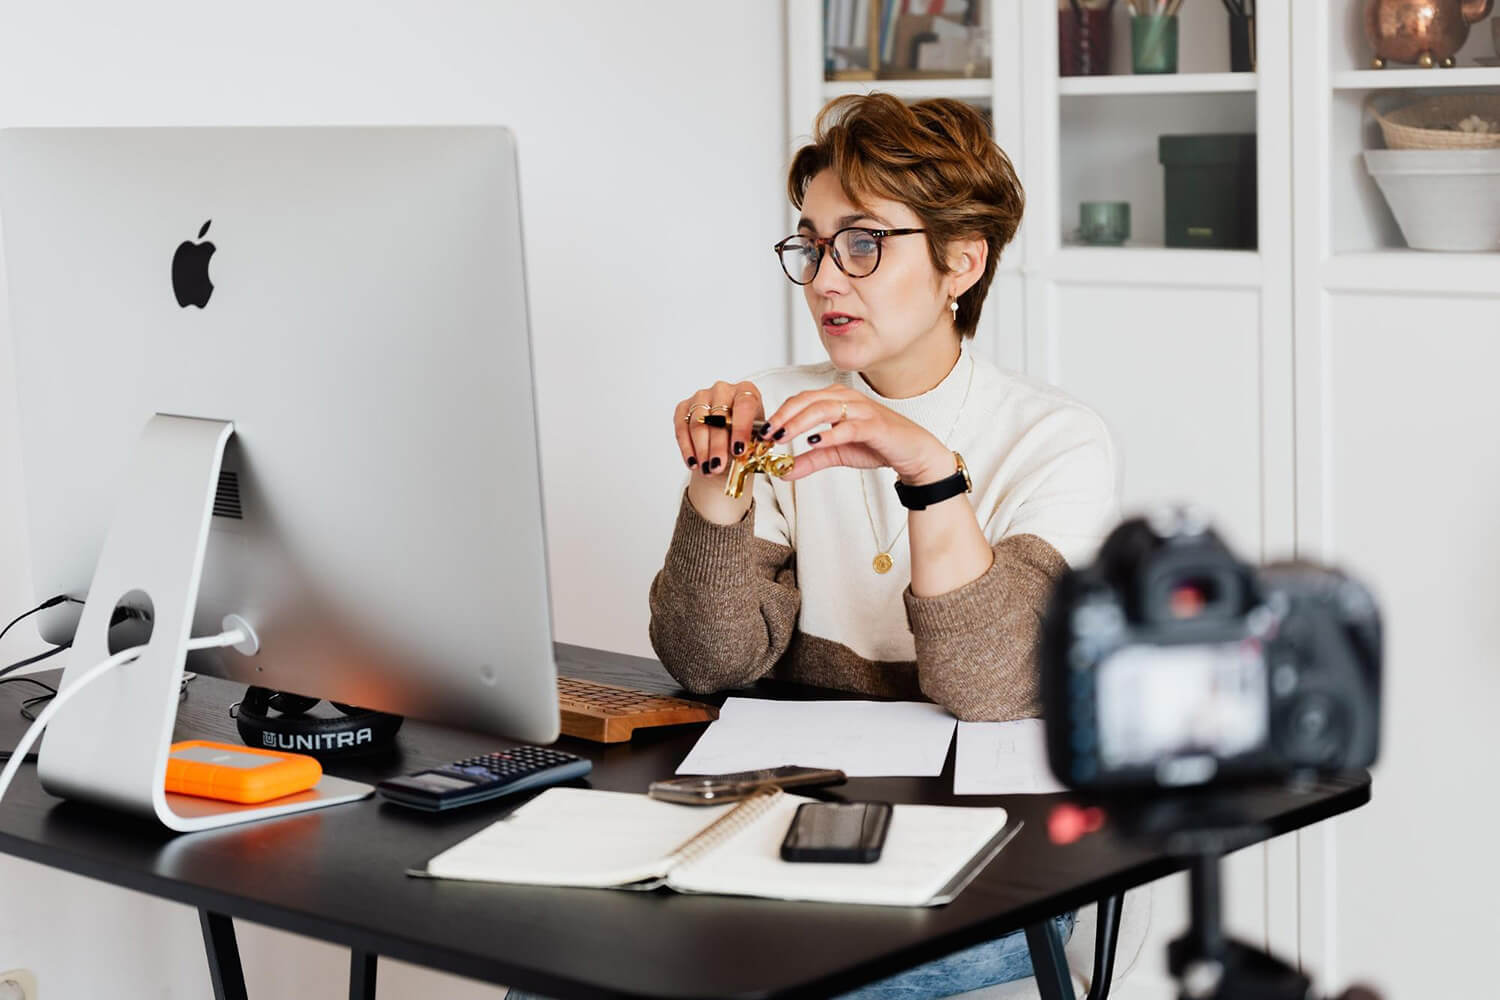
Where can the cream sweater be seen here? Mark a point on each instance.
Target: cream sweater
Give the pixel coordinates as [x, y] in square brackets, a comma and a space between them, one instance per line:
[791, 588]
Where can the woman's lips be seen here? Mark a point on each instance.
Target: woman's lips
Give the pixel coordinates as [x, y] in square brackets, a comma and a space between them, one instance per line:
[840, 329]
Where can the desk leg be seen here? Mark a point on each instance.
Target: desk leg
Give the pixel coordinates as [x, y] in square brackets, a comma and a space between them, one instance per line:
[1106, 937]
[361, 975]
[223, 956]
[1049, 962]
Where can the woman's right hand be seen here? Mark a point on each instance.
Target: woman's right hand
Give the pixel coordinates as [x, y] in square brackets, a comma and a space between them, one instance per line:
[708, 451]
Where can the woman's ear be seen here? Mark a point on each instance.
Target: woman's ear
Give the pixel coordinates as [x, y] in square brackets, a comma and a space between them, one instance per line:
[966, 260]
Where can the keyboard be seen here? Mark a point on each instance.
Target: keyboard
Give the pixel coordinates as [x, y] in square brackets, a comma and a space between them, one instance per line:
[605, 713]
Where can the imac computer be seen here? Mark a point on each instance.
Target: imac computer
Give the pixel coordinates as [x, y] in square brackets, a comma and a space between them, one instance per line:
[285, 375]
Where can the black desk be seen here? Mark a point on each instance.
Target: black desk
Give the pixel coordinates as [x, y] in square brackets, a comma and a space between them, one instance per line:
[336, 874]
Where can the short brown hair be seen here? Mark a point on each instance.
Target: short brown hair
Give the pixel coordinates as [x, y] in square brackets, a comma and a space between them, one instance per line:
[936, 156]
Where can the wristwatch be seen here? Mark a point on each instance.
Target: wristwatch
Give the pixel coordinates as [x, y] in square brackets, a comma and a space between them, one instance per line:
[922, 497]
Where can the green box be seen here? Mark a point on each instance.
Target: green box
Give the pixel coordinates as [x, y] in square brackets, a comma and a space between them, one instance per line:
[1210, 190]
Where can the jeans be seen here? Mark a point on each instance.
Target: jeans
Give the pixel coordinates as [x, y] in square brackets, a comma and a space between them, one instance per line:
[1002, 960]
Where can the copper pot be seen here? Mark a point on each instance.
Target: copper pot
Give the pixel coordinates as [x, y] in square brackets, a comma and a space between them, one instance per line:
[1425, 32]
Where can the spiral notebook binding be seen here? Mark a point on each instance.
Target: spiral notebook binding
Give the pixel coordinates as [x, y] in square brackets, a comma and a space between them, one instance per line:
[726, 826]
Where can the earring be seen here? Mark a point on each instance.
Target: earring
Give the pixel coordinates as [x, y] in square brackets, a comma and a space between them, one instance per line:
[954, 306]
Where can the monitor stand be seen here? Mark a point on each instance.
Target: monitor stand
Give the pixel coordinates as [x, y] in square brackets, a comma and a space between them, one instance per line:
[109, 744]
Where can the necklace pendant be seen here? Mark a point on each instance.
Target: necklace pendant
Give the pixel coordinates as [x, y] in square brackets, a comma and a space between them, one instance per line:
[883, 563]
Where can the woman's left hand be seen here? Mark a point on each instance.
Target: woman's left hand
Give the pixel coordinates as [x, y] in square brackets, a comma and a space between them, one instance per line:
[864, 435]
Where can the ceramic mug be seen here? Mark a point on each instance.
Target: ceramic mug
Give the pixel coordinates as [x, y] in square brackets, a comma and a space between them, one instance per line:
[1104, 223]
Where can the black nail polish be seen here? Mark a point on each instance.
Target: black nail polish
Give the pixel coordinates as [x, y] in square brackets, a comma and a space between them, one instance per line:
[716, 463]
[707, 467]
[780, 431]
[739, 447]
[764, 432]
[814, 438]
[692, 461]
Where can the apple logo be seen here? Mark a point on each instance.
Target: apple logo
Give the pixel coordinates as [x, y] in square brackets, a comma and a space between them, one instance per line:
[190, 279]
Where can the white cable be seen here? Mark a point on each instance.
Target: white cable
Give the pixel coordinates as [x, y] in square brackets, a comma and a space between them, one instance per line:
[227, 638]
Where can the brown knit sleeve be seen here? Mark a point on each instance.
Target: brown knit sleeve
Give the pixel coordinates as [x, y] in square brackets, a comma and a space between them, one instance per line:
[724, 607]
[977, 645]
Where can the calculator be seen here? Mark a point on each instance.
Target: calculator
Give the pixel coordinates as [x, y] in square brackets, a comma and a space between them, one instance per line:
[487, 776]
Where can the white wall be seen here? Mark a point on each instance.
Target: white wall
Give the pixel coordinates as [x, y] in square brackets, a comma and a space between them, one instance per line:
[659, 118]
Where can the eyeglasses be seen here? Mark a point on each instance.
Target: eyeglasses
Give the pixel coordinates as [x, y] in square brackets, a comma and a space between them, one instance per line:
[856, 251]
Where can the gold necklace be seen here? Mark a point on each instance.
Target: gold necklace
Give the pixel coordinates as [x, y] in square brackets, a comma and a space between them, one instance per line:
[883, 562]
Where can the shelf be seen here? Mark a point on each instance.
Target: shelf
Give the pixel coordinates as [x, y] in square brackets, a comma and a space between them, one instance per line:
[1154, 265]
[1409, 79]
[965, 88]
[1404, 271]
[1162, 83]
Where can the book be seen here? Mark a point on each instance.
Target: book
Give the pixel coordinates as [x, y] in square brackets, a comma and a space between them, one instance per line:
[893, 10]
[585, 837]
[859, 37]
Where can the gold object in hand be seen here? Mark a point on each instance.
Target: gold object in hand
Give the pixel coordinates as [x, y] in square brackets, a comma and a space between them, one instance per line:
[758, 459]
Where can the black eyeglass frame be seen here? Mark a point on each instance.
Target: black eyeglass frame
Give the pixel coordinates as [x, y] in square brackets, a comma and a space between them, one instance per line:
[820, 242]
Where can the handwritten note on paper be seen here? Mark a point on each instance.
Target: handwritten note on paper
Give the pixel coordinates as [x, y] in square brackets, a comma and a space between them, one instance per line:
[1003, 758]
[864, 739]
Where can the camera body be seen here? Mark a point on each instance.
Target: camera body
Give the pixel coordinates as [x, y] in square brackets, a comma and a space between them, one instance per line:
[1170, 663]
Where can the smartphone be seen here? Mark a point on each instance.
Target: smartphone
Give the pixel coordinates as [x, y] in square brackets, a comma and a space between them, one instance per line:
[837, 831]
[712, 789]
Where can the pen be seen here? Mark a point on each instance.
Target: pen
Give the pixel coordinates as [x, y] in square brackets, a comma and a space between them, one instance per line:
[722, 421]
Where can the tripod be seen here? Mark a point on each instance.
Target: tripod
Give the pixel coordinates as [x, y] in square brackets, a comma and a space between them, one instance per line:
[1207, 964]
[1210, 966]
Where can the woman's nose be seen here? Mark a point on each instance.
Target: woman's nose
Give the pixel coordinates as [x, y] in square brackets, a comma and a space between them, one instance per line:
[828, 277]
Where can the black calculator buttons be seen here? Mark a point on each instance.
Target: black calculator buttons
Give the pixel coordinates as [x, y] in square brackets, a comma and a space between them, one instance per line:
[484, 777]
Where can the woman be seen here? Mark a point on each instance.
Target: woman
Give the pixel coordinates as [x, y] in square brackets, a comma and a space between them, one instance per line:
[905, 210]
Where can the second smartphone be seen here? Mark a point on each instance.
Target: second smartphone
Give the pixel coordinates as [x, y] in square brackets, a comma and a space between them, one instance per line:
[837, 831]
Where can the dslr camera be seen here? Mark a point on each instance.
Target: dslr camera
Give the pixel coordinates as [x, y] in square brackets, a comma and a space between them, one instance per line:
[1170, 663]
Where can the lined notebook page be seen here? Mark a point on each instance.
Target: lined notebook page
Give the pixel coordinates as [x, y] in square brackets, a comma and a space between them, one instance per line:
[925, 848]
[578, 837]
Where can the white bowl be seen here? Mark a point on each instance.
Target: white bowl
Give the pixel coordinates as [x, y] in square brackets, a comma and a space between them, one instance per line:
[1443, 199]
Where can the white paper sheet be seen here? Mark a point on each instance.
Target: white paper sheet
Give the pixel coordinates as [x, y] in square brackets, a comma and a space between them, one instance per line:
[1003, 758]
[862, 738]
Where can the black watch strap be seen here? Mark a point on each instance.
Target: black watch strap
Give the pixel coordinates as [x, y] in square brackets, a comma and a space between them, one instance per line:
[922, 497]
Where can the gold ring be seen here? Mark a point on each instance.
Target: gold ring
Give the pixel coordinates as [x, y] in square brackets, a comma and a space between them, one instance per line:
[747, 392]
[843, 411]
[687, 418]
[721, 406]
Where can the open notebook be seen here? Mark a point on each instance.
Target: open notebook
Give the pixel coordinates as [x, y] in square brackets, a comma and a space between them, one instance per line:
[585, 837]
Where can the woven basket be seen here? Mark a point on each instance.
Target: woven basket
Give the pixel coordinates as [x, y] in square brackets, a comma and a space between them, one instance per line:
[1431, 123]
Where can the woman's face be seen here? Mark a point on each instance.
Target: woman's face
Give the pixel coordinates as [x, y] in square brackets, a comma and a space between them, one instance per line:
[898, 311]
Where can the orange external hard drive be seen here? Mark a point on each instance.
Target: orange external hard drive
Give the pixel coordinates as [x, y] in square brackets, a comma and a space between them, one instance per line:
[212, 770]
